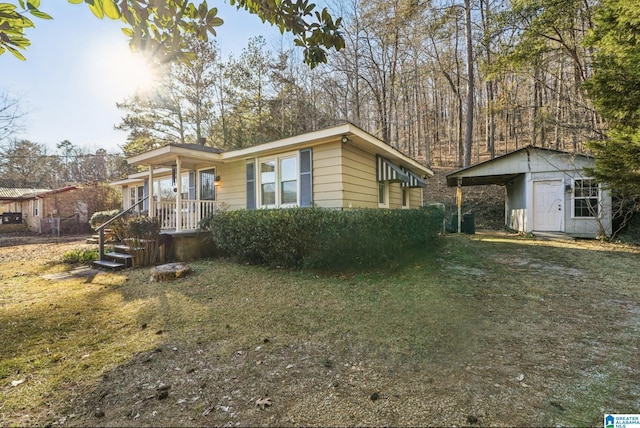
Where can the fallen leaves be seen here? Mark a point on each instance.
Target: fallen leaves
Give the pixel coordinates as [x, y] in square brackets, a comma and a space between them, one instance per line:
[18, 382]
[263, 403]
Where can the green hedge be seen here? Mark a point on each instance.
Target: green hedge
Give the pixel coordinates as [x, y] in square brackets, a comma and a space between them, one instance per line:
[324, 239]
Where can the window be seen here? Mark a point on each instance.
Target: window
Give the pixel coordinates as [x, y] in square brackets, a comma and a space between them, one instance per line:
[163, 189]
[136, 194]
[383, 194]
[405, 197]
[184, 185]
[208, 185]
[36, 207]
[268, 183]
[585, 198]
[279, 182]
[288, 181]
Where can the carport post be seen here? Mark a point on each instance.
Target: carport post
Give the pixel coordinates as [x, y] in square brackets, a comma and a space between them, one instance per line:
[459, 202]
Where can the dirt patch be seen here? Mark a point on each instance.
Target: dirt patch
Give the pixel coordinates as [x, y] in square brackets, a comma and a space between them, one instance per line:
[38, 248]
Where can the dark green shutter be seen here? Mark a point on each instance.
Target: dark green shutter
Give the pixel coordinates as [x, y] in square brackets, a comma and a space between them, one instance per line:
[251, 185]
[306, 178]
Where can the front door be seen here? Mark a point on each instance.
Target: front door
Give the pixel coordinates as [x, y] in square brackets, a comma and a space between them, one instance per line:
[548, 205]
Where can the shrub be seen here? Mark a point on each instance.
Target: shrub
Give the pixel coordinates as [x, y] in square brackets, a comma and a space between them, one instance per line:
[322, 238]
[117, 226]
[80, 256]
[100, 217]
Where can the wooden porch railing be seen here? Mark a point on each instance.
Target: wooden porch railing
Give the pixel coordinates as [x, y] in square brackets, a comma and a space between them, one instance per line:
[191, 212]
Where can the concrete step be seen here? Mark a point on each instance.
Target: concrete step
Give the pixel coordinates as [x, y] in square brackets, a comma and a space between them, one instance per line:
[126, 259]
[108, 264]
[119, 256]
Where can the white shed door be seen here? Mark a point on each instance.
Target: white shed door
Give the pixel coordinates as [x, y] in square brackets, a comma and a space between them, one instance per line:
[548, 205]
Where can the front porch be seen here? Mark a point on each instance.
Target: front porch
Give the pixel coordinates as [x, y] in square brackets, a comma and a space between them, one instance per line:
[179, 186]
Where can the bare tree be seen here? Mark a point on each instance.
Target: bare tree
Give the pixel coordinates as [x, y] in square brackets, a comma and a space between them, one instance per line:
[11, 115]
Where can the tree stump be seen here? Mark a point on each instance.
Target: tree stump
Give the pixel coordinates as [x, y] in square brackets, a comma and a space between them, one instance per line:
[169, 272]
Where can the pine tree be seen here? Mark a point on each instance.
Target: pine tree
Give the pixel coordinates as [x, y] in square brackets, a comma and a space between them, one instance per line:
[615, 89]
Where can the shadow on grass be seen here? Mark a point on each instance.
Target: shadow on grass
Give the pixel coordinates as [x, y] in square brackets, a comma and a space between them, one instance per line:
[479, 323]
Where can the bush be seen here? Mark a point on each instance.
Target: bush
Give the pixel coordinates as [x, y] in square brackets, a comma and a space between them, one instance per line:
[117, 226]
[101, 217]
[324, 239]
[80, 256]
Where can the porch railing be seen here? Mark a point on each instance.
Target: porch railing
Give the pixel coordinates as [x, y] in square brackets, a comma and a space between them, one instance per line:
[191, 212]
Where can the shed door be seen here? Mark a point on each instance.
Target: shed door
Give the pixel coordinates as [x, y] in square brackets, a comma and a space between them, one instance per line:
[548, 205]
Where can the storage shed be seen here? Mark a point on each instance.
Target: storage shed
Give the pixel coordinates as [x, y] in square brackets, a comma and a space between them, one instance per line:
[546, 190]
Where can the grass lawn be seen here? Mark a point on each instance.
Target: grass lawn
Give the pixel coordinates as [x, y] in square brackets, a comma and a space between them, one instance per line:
[487, 330]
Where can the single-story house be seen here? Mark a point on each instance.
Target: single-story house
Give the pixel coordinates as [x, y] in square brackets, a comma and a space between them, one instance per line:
[341, 167]
[42, 209]
[546, 190]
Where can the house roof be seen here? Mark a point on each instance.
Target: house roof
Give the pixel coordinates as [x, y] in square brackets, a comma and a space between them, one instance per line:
[504, 168]
[44, 193]
[24, 194]
[165, 156]
[16, 193]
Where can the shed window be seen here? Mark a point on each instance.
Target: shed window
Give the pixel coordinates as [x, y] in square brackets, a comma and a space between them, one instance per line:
[585, 198]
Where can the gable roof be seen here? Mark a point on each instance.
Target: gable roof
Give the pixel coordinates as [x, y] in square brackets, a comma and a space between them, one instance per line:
[166, 155]
[502, 169]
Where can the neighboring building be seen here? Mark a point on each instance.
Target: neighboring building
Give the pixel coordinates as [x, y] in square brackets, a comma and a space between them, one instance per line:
[545, 191]
[42, 209]
[341, 167]
[13, 205]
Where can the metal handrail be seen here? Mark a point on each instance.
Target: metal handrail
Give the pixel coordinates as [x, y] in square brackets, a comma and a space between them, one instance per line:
[100, 229]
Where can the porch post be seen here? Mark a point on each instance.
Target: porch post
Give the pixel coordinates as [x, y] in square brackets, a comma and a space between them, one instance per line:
[152, 207]
[459, 202]
[179, 195]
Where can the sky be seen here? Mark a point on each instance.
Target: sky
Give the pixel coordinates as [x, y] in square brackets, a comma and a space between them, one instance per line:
[78, 67]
